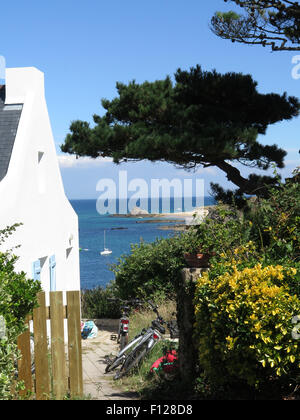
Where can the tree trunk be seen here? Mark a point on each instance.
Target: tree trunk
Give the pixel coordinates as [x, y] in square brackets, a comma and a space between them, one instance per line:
[234, 175]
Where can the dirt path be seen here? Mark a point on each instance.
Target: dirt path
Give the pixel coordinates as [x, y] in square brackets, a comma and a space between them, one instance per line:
[96, 383]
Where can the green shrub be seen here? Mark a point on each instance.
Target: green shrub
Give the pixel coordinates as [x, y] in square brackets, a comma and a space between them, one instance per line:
[244, 326]
[17, 300]
[225, 228]
[95, 304]
[152, 270]
[275, 222]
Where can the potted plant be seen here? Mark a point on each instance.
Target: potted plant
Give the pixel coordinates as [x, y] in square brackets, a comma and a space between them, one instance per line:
[198, 259]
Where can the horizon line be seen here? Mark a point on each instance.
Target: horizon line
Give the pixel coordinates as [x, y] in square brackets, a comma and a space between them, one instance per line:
[143, 198]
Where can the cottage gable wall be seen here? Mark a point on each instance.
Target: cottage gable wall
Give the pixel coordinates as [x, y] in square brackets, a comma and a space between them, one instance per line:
[32, 191]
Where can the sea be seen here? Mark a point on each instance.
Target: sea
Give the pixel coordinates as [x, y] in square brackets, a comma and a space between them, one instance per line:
[120, 233]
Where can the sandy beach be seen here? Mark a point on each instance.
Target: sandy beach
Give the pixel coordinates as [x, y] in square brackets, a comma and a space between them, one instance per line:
[185, 219]
[197, 211]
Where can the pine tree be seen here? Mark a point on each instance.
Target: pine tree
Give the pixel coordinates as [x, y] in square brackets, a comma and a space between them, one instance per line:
[201, 119]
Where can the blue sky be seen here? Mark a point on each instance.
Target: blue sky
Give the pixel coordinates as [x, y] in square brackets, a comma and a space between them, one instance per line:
[85, 47]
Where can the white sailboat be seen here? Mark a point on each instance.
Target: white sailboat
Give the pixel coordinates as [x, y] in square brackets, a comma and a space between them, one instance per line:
[105, 251]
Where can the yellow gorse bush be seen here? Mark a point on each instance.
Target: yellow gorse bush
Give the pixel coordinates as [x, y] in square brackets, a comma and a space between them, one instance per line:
[244, 323]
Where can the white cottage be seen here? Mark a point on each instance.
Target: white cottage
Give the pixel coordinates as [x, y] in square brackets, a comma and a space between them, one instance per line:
[31, 188]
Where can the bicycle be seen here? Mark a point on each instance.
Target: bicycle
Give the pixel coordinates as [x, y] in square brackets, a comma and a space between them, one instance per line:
[123, 330]
[139, 347]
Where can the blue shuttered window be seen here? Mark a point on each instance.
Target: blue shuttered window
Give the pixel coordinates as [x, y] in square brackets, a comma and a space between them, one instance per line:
[36, 270]
[52, 268]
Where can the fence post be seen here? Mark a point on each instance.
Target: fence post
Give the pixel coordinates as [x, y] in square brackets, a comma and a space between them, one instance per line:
[41, 349]
[24, 363]
[74, 343]
[58, 345]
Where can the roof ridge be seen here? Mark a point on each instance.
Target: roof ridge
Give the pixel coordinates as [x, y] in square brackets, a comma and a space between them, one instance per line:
[9, 122]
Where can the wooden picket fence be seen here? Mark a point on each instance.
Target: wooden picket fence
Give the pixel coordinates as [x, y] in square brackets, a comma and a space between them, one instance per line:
[57, 372]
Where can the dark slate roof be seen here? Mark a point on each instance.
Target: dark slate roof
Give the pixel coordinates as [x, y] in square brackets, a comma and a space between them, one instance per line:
[9, 121]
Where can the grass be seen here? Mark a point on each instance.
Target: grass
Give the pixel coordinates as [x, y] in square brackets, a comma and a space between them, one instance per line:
[142, 319]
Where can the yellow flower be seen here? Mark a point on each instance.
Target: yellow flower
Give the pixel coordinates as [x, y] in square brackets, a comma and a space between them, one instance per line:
[257, 327]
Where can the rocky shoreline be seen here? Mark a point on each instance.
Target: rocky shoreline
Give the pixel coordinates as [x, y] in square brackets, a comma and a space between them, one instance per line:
[178, 221]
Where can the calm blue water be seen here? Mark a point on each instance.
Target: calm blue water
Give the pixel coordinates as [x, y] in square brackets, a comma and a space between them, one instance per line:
[94, 268]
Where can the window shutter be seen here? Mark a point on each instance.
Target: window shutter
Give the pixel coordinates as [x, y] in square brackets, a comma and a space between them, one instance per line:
[36, 270]
[52, 268]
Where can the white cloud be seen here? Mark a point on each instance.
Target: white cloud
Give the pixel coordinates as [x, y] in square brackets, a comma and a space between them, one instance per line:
[211, 170]
[70, 161]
